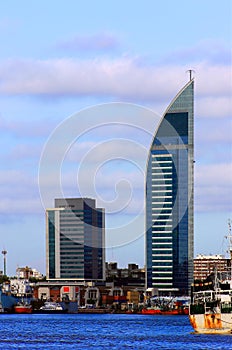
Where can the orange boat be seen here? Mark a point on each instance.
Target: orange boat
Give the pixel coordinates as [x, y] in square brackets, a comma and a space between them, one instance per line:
[177, 309]
[165, 305]
[151, 311]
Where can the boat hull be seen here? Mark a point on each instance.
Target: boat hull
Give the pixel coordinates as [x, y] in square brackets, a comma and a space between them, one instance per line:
[151, 311]
[165, 312]
[212, 323]
[50, 311]
[23, 309]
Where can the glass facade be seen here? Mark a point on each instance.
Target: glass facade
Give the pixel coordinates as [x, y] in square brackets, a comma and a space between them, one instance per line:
[169, 199]
[51, 243]
[75, 240]
[71, 244]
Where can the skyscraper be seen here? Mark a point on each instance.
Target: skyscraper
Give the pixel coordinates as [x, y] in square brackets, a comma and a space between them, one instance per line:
[169, 198]
[75, 239]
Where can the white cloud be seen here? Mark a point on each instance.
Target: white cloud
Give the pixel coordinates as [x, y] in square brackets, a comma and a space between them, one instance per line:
[214, 187]
[25, 151]
[109, 149]
[214, 106]
[213, 132]
[121, 78]
[214, 80]
[18, 206]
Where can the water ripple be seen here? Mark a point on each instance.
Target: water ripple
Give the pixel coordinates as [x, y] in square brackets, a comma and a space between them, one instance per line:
[137, 332]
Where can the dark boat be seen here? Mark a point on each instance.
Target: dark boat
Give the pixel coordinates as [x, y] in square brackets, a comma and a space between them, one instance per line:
[50, 307]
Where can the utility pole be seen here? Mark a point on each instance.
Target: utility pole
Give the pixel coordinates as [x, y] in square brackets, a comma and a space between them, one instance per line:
[4, 252]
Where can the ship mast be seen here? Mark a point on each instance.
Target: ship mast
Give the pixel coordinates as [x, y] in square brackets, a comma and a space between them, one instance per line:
[229, 237]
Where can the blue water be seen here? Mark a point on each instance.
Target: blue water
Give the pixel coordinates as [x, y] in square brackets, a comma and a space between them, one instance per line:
[110, 331]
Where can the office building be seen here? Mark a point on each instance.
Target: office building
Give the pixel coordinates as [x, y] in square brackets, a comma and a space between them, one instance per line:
[169, 199]
[75, 240]
[204, 265]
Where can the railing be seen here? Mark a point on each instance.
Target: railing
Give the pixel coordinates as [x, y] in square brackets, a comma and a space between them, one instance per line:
[211, 295]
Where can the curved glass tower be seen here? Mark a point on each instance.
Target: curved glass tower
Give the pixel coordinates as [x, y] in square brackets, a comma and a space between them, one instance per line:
[169, 199]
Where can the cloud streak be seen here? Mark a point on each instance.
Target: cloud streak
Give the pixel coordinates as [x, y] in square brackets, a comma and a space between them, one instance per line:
[122, 78]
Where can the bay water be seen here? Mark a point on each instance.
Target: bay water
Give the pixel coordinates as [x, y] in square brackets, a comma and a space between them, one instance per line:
[107, 331]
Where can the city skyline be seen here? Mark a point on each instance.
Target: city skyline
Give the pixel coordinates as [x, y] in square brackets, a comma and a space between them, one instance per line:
[57, 60]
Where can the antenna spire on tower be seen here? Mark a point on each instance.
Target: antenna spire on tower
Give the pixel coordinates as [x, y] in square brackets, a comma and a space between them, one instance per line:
[190, 71]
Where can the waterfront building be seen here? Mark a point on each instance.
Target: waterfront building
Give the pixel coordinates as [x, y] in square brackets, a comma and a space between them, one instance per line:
[20, 287]
[169, 199]
[75, 240]
[86, 294]
[204, 265]
[27, 272]
[132, 275]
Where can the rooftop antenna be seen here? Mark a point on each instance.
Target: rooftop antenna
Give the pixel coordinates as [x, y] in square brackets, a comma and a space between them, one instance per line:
[190, 71]
[4, 252]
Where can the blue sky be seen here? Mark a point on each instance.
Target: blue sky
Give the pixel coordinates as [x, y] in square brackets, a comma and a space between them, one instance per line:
[60, 58]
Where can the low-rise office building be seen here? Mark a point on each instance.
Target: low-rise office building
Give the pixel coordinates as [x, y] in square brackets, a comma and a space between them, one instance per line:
[75, 240]
[204, 265]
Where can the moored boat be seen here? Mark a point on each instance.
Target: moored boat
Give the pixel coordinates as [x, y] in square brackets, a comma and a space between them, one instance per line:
[211, 311]
[23, 308]
[50, 307]
[171, 311]
[167, 306]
